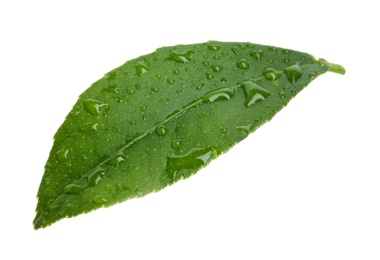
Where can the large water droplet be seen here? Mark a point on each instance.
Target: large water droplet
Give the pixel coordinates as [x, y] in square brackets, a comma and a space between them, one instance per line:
[141, 67]
[170, 81]
[242, 64]
[209, 75]
[176, 143]
[161, 130]
[235, 51]
[181, 57]
[155, 89]
[273, 49]
[257, 54]
[293, 73]
[200, 86]
[117, 160]
[73, 189]
[95, 107]
[62, 155]
[89, 128]
[220, 94]
[194, 159]
[216, 68]
[272, 74]
[246, 129]
[95, 176]
[254, 93]
[213, 47]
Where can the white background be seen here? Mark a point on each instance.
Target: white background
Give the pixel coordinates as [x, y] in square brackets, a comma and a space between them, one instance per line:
[304, 186]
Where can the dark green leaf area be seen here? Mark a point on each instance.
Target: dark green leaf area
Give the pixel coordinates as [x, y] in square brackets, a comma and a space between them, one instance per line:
[163, 116]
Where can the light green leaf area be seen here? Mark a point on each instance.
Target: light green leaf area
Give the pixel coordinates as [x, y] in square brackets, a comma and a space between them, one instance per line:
[163, 116]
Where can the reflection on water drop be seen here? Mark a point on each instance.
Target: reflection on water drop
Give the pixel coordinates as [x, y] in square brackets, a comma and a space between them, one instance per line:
[216, 68]
[95, 176]
[213, 47]
[161, 130]
[155, 89]
[141, 67]
[95, 107]
[272, 74]
[100, 199]
[220, 94]
[257, 54]
[193, 160]
[242, 64]
[181, 57]
[209, 75]
[293, 73]
[254, 93]
[117, 160]
[176, 143]
[245, 129]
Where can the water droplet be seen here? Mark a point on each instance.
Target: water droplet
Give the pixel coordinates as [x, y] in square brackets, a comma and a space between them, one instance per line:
[194, 159]
[272, 74]
[273, 49]
[312, 76]
[95, 176]
[213, 47]
[257, 54]
[62, 155]
[254, 93]
[223, 130]
[282, 94]
[159, 76]
[155, 89]
[216, 68]
[170, 81]
[176, 143]
[100, 199]
[206, 63]
[200, 86]
[89, 128]
[220, 94]
[245, 129]
[181, 57]
[293, 73]
[130, 91]
[117, 160]
[161, 130]
[132, 122]
[286, 52]
[286, 60]
[223, 80]
[235, 51]
[216, 58]
[209, 75]
[242, 64]
[142, 108]
[73, 189]
[141, 67]
[111, 89]
[176, 71]
[95, 107]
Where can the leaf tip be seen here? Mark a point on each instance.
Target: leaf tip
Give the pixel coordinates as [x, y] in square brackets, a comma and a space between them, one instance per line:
[332, 67]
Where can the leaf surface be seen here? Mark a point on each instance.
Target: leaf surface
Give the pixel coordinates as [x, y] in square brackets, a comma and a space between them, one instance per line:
[161, 117]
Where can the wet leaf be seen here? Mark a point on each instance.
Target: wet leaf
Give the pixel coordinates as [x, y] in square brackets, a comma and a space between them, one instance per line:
[163, 116]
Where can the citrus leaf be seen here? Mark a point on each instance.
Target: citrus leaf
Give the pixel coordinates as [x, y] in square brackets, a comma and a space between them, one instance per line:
[163, 116]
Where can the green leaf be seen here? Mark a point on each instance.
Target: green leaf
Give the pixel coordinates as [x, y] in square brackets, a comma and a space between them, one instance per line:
[163, 116]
